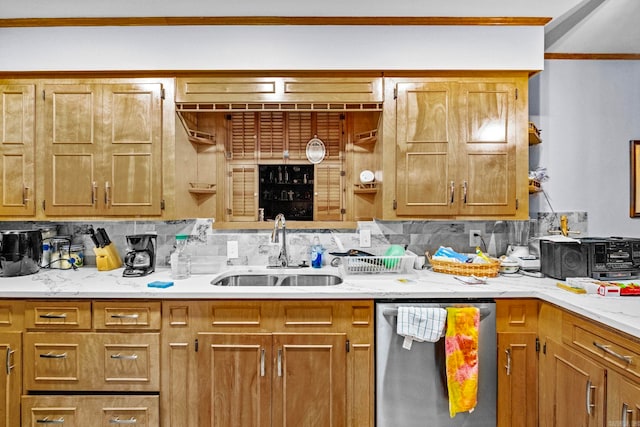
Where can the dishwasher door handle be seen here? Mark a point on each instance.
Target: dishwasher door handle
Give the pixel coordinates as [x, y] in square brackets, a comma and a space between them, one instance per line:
[393, 312]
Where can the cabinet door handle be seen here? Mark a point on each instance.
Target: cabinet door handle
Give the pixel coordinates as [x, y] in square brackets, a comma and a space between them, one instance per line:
[107, 193]
[262, 373]
[94, 192]
[452, 191]
[626, 419]
[54, 356]
[464, 192]
[124, 357]
[125, 316]
[46, 420]
[53, 316]
[606, 349]
[25, 195]
[8, 365]
[117, 420]
[588, 396]
[279, 362]
[508, 365]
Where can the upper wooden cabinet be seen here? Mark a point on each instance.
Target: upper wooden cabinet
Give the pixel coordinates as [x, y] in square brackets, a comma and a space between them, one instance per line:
[103, 149]
[17, 149]
[460, 147]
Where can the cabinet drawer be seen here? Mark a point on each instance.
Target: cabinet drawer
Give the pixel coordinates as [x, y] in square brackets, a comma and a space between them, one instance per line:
[11, 315]
[91, 361]
[611, 349]
[119, 315]
[68, 315]
[75, 411]
[517, 315]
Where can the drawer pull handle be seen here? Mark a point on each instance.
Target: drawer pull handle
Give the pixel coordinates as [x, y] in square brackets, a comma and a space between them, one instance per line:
[590, 389]
[279, 362]
[117, 420]
[124, 357]
[46, 420]
[508, 365]
[452, 191]
[53, 316]
[125, 316]
[606, 349]
[9, 366]
[626, 420]
[53, 356]
[262, 373]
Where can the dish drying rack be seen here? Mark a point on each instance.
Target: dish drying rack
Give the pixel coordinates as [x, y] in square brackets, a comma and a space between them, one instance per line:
[378, 264]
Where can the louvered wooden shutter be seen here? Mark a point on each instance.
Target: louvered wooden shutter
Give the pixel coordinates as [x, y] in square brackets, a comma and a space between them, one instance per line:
[243, 136]
[271, 136]
[299, 133]
[328, 189]
[243, 193]
[329, 130]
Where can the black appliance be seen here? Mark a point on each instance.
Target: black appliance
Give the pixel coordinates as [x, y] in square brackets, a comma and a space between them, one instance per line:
[20, 252]
[605, 258]
[140, 258]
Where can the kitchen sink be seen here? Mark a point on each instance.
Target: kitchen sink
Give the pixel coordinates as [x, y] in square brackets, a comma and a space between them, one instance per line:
[276, 279]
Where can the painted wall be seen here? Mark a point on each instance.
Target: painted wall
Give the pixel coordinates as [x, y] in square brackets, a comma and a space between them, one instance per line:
[588, 112]
[272, 48]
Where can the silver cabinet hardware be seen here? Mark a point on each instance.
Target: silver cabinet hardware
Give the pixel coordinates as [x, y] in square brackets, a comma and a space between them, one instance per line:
[508, 365]
[262, 362]
[465, 185]
[46, 420]
[53, 316]
[606, 349]
[117, 420]
[8, 364]
[452, 191]
[588, 396]
[279, 362]
[125, 316]
[124, 357]
[53, 356]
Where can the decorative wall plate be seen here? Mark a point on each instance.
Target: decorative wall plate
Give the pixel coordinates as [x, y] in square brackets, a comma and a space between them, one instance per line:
[315, 150]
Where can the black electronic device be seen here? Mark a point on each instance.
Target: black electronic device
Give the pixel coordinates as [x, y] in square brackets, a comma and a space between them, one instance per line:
[140, 258]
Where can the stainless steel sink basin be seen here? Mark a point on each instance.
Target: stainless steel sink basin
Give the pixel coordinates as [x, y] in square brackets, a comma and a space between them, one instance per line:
[311, 280]
[276, 279]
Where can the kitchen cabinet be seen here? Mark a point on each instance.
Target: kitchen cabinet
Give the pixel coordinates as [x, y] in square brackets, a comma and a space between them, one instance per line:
[268, 363]
[103, 149]
[17, 149]
[623, 401]
[11, 325]
[456, 147]
[91, 360]
[517, 329]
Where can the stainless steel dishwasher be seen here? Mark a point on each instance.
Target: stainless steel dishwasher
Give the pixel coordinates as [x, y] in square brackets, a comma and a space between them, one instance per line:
[411, 388]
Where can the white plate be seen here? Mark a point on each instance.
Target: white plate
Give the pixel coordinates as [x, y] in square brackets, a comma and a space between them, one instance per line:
[366, 177]
[315, 150]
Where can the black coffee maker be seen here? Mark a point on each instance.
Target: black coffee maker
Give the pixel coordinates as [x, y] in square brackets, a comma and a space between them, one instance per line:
[140, 258]
[20, 252]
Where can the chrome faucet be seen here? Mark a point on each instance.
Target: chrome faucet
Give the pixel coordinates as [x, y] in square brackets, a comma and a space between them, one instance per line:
[283, 258]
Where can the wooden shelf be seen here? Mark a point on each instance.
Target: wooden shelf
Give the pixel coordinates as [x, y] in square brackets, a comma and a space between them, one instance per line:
[202, 188]
[366, 138]
[534, 135]
[366, 188]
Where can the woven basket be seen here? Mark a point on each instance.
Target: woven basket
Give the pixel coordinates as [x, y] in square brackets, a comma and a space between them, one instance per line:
[490, 269]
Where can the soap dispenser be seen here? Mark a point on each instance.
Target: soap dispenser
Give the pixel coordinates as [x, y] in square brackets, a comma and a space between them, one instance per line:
[316, 253]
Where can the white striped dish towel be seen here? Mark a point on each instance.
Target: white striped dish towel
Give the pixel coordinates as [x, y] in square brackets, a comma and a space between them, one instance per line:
[420, 324]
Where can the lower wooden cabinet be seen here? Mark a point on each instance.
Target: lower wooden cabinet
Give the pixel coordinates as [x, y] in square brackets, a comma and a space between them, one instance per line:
[517, 324]
[82, 411]
[623, 401]
[11, 379]
[267, 363]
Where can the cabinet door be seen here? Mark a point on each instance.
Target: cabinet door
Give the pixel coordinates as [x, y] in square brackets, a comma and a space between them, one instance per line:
[309, 385]
[132, 149]
[517, 380]
[243, 193]
[329, 190]
[17, 137]
[425, 151]
[72, 145]
[486, 167]
[573, 390]
[234, 387]
[623, 401]
[10, 380]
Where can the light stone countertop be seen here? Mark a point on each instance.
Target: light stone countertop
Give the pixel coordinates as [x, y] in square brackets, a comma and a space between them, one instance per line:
[622, 313]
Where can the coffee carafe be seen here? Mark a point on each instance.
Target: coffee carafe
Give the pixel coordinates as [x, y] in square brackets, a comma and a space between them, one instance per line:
[140, 258]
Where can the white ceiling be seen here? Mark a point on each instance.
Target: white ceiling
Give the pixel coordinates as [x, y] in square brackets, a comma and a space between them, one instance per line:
[577, 26]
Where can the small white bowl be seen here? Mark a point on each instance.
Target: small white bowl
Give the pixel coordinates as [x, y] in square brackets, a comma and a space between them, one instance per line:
[509, 267]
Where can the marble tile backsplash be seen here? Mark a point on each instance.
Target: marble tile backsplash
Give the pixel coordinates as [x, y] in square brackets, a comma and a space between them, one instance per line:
[255, 247]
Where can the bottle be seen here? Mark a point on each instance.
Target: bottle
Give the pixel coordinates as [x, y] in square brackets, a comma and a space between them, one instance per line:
[180, 260]
[316, 253]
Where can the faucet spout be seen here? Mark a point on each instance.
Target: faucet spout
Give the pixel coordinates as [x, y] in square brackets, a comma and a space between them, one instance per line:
[283, 258]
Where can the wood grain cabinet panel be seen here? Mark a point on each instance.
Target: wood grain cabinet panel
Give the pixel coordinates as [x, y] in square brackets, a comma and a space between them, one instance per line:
[17, 149]
[131, 315]
[60, 315]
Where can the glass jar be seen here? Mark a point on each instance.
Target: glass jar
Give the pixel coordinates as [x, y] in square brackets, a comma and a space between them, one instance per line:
[180, 259]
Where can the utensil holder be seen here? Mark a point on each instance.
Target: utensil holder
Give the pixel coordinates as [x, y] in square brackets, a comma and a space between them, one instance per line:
[107, 258]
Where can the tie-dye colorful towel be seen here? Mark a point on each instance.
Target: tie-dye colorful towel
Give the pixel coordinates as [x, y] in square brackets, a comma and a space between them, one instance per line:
[461, 349]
